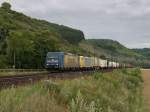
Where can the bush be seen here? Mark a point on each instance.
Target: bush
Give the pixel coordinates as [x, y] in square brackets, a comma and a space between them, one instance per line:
[97, 75]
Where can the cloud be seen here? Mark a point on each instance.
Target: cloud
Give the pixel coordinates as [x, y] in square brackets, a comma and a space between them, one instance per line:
[124, 20]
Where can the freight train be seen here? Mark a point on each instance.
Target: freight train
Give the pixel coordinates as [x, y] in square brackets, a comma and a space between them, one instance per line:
[69, 61]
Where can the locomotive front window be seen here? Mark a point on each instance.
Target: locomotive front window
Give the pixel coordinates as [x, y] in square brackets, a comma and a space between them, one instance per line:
[52, 59]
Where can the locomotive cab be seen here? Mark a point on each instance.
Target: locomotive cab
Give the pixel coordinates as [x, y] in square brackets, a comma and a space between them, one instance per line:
[53, 60]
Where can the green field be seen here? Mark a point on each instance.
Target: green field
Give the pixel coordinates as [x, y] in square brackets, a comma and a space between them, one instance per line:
[119, 91]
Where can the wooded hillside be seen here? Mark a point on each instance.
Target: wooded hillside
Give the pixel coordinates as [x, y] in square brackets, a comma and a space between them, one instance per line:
[25, 41]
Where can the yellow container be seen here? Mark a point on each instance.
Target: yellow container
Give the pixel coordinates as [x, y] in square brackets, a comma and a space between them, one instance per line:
[81, 61]
[71, 61]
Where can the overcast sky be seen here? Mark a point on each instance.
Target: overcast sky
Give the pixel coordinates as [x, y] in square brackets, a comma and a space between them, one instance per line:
[127, 21]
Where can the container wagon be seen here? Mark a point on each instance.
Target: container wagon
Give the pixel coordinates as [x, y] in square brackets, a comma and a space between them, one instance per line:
[114, 64]
[102, 63]
[110, 64]
[96, 62]
[86, 63]
[71, 61]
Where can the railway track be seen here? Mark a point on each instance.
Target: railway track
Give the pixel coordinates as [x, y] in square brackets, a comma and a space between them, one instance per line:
[8, 81]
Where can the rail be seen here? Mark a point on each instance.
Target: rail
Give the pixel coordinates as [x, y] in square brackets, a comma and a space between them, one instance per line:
[8, 81]
[21, 70]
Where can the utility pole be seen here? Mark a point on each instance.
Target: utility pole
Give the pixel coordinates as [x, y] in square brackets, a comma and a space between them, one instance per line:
[14, 65]
[94, 56]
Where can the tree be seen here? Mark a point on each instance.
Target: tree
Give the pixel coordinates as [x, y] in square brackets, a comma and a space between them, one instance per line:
[3, 34]
[103, 56]
[6, 6]
[20, 49]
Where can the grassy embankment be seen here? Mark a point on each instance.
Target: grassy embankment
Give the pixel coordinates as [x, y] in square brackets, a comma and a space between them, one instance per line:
[20, 72]
[120, 91]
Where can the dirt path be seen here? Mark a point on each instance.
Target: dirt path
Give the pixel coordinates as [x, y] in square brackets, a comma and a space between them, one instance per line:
[146, 77]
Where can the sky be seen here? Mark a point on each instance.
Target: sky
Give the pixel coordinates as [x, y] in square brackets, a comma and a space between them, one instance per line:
[127, 21]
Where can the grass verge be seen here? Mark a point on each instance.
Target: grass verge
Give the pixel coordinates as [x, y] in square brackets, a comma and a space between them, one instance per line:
[14, 73]
[119, 91]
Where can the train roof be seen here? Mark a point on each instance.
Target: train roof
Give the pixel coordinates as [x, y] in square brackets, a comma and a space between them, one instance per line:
[59, 53]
